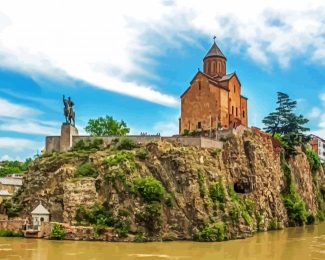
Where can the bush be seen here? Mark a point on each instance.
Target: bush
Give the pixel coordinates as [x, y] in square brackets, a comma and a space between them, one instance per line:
[11, 209]
[211, 233]
[275, 225]
[88, 145]
[313, 159]
[294, 205]
[57, 232]
[151, 216]
[125, 143]
[217, 192]
[234, 213]
[9, 233]
[86, 170]
[119, 157]
[296, 211]
[142, 153]
[169, 237]
[187, 132]
[100, 218]
[216, 152]
[150, 189]
[311, 219]
[247, 218]
[201, 181]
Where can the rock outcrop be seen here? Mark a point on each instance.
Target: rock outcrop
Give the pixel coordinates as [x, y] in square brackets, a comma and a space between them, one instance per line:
[207, 194]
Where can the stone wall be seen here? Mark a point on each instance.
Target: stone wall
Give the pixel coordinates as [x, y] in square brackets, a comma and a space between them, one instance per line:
[108, 139]
[52, 144]
[199, 142]
[14, 225]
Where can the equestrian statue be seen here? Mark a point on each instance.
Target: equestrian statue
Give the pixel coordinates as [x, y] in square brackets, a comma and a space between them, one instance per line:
[68, 111]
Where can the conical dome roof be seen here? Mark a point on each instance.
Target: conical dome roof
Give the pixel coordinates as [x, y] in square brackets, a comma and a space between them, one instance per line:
[40, 210]
[215, 52]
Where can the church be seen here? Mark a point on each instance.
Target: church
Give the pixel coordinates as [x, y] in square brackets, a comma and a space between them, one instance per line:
[213, 100]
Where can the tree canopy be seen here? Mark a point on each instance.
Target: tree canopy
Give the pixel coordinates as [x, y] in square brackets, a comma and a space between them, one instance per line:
[14, 167]
[106, 126]
[283, 123]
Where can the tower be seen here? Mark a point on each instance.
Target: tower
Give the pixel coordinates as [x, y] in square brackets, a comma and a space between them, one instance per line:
[214, 62]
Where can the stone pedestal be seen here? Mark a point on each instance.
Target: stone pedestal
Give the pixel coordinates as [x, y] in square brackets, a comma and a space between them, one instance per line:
[67, 131]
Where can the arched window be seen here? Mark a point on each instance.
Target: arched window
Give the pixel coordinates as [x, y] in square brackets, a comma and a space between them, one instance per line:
[243, 113]
[232, 110]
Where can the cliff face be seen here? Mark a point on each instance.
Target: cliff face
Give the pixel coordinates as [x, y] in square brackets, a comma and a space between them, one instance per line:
[196, 193]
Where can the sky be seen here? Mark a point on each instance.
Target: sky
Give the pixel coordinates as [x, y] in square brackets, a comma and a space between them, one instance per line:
[133, 59]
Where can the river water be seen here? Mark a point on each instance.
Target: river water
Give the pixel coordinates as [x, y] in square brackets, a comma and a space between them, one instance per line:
[294, 243]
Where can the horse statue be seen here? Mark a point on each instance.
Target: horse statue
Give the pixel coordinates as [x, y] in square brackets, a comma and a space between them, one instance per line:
[68, 111]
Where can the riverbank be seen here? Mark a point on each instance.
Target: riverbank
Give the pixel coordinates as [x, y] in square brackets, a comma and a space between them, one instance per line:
[300, 243]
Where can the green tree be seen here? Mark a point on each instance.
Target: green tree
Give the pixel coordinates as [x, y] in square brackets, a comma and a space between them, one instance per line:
[106, 126]
[14, 167]
[277, 122]
[285, 125]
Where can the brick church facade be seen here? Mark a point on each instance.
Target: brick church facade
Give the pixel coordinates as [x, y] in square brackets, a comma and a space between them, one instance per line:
[213, 100]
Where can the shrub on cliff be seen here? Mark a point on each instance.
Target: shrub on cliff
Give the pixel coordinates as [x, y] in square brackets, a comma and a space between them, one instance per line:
[313, 160]
[100, 217]
[86, 170]
[119, 157]
[88, 145]
[217, 192]
[211, 233]
[125, 143]
[150, 189]
[57, 232]
[142, 153]
[12, 210]
[294, 205]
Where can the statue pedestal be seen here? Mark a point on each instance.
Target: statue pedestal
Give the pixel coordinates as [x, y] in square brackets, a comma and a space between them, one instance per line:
[67, 131]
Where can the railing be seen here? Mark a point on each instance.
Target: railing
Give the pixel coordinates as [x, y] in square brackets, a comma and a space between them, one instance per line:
[30, 227]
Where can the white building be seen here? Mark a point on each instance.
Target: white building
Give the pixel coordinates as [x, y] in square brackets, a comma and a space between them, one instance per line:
[40, 215]
[318, 145]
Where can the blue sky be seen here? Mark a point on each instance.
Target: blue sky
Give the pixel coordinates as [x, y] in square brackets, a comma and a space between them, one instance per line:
[133, 61]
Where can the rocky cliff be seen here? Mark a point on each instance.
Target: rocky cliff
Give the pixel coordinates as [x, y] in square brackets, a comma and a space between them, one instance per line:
[166, 191]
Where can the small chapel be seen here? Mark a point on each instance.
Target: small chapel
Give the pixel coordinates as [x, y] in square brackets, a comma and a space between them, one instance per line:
[213, 100]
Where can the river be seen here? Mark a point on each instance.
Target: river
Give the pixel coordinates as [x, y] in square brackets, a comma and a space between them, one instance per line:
[293, 243]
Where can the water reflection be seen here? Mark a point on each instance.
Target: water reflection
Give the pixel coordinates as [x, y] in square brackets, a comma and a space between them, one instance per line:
[294, 243]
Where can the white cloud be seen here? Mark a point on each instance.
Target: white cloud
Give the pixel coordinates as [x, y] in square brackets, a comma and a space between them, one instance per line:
[30, 127]
[103, 43]
[17, 144]
[8, 109]
[314, 113]
[5, 157]
[322, 97]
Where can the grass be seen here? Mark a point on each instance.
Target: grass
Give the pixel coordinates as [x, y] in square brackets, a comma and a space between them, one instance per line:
[9, 233]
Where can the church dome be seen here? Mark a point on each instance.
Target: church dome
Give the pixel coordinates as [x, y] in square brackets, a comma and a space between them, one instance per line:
[215, 52]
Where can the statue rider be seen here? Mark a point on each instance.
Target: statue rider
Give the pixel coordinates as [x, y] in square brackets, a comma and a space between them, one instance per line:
[68, 110]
